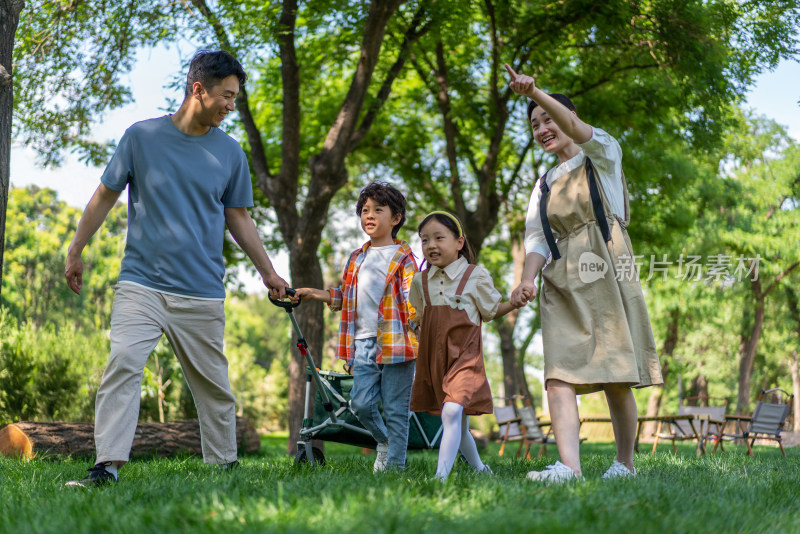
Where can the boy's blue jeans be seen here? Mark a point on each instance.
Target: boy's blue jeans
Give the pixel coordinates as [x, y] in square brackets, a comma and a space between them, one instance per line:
[392, 383]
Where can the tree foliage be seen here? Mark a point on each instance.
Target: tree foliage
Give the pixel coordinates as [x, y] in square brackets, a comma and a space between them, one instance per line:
[741, 251]
[39, 229]
[67, 74]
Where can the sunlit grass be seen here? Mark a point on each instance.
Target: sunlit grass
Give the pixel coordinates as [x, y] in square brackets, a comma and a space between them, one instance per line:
[728, 492]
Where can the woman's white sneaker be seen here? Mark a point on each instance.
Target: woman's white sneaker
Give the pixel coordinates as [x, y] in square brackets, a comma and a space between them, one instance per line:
[555, 473]
[618, 470]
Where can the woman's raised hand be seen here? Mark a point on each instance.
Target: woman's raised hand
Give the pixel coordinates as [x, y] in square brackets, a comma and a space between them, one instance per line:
[520, 83]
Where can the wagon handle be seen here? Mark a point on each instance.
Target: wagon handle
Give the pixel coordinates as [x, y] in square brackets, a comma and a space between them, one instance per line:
[302, 346]
[285, 304]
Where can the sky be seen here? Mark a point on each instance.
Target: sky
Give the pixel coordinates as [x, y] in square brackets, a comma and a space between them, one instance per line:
[775, 95]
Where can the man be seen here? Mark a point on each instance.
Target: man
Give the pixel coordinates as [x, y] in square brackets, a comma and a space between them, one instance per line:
[186, 180]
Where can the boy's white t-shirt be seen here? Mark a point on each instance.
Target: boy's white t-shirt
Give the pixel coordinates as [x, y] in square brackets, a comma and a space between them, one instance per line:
[371, 283]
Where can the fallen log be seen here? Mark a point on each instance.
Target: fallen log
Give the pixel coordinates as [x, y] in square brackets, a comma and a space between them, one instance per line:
[41, 439]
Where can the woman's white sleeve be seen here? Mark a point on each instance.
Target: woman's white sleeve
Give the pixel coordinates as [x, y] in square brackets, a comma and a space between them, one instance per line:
[534, 234]
[606, 155]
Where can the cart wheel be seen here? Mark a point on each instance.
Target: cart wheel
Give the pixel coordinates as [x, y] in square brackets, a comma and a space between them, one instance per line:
[301, 458]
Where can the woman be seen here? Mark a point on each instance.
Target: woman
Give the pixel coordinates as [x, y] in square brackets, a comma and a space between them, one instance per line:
[595, 328]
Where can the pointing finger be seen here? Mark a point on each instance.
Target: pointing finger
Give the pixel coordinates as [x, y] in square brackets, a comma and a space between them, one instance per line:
[511, 72]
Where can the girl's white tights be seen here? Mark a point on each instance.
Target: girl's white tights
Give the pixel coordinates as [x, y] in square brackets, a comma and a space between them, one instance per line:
[456, 437]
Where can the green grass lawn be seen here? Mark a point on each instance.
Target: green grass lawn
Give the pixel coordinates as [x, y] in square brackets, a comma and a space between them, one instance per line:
[727, 492]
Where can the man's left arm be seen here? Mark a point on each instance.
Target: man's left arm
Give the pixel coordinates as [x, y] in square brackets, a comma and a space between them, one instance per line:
[244, 232]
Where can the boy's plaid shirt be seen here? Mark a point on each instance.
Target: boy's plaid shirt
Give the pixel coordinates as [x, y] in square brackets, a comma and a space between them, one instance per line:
[397, 340]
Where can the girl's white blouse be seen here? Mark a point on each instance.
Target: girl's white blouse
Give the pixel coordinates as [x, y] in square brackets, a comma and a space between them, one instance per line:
[480, 301]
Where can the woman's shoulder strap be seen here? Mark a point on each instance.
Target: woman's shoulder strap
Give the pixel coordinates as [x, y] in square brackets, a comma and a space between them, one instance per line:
[543, 183]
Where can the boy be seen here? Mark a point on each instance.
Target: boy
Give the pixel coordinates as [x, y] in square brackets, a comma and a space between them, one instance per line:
[375, 337]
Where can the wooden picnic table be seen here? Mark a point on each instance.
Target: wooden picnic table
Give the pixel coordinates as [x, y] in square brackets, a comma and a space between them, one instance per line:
[691, 418]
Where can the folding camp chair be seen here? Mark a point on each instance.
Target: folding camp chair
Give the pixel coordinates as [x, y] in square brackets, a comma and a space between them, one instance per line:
[522, 424]
[509, 421]
[532, 431]
[767, 421]
[701, 429]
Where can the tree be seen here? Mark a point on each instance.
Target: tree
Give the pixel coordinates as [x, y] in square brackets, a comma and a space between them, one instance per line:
[9, 19]
[301, 197]
[759, 229]
[66, 73]
[51, 63]
[39, 228]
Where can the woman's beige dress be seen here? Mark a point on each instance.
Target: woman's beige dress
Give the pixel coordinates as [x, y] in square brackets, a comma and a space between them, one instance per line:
[595, 326]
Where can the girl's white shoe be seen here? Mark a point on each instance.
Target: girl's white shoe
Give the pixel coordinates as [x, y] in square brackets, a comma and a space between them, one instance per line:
[618, 469]
[555, 473]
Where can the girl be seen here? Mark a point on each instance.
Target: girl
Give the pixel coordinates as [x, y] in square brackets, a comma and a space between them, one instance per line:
[451, 298]
[595, 328]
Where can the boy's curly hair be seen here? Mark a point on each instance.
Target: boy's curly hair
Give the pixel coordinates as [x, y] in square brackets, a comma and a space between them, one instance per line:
[384, 194]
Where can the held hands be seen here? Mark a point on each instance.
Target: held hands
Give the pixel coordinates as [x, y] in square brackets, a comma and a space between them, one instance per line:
[520, 83]
[524, 293]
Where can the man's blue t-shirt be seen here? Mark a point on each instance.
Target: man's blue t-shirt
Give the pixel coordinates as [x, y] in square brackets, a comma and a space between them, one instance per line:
[179, 187]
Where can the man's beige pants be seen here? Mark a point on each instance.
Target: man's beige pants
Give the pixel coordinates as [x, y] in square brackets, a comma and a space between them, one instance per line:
[194, 328]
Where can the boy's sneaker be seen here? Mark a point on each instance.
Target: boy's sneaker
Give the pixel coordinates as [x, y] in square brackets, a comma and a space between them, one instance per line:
[98, 476]
[555, 473]
[380, 459]
[485, 470]
[618, 470]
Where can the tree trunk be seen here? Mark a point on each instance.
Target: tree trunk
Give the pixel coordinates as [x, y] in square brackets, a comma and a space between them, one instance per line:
[657, 392]
[514, 381]
[303, 233]
[311, 322]
[700, 389]
[151, 439]
[522, 380]
[505, 329]
[794, 365]
[749, 342]
[748, 347]
[301, 223]
[9, 20]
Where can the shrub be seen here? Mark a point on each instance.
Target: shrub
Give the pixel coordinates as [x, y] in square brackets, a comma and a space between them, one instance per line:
[49, 373]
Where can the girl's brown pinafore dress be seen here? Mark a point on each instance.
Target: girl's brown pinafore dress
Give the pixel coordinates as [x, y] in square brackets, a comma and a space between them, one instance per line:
[450, 359]
[595, 327]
